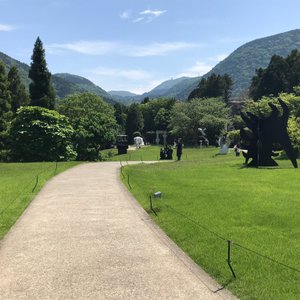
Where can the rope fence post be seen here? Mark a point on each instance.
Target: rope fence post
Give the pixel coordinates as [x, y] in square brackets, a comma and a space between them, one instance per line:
[228, 257]
[122, 173]
[151, 205]
[36, 183]
[55, 168]
[128, 181]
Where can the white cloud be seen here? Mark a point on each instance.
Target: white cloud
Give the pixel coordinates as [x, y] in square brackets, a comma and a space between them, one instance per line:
[199, 69]
[134, 80]
[84, 47]
[5, 27]
[137, 20]
[125, 14]
[112, 48]
[155, 13]
[150, 15]
[157, 49]
[113, 72]
[145, 16]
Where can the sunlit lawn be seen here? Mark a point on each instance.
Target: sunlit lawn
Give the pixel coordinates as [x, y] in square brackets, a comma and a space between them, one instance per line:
[17, 181]
[209, 199]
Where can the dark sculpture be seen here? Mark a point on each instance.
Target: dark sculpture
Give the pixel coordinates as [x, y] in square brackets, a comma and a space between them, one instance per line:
[122, 144]
[265, 133]
[166, 153]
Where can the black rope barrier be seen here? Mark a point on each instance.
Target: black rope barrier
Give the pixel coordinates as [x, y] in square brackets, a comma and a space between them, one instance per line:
[266, 257]
[229, 242]
[24, 188]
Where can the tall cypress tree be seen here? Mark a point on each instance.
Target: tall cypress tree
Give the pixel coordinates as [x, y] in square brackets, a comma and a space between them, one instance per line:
[19, 96]
[41, 91]
[5, 108]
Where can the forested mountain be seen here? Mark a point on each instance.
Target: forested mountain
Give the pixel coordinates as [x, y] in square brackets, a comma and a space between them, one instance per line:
[23, 68]
[66, 84]
[178, 88]
[242, 63]
[122, 93]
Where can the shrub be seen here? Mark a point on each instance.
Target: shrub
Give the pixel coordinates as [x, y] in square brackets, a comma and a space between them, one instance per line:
[40, 134]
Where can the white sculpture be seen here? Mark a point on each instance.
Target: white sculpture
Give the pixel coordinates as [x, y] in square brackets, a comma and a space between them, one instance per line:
[223, 143]
[138, 141]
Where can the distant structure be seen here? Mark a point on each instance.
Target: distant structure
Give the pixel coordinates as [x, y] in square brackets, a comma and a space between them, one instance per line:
[203, 138]
[223, 144]
[138, 141]
[164, 134]
[264, 133]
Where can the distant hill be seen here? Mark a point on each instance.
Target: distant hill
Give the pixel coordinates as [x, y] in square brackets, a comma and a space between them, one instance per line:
[64, 84]
[242, 63]
[178, 88]
[122, 93]
[23, 68]
[124, 97]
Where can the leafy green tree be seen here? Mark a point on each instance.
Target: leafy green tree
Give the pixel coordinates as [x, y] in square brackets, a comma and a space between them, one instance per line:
[40, 134]
[5, 107]
[294, 133]
[93, 121]
[41, 91]
[262, 108]
[135, 120]
[187, 117]
[121, 115]
[156, 114]
[162, 119]
[281, 75]
[212, 87]
[19, 96]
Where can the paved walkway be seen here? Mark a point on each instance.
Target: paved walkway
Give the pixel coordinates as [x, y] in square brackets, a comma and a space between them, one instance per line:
[85, 237]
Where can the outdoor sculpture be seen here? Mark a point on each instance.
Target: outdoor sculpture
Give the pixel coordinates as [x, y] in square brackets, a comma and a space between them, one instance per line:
[122, 144]
[223, 144]
[166, 153]
[138, 142]
[203, 138]
[265, 132]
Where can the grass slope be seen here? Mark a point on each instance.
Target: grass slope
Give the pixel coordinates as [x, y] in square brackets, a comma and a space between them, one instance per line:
[17, 181]
[209, 199]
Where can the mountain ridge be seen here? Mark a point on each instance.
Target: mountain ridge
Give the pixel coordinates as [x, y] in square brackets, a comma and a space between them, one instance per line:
[240, 65]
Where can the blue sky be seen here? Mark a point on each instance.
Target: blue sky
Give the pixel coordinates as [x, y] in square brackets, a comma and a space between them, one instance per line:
[136, 44]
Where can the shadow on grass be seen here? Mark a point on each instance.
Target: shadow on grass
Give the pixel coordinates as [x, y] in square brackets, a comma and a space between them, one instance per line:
[224, 285]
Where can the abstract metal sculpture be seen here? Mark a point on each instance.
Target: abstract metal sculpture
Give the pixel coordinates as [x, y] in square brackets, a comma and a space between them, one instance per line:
[265, 132]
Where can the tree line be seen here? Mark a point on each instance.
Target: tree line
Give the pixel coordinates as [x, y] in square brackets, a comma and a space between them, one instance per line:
[36, 126]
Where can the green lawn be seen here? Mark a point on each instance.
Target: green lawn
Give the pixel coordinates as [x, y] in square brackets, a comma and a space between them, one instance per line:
[208, 199]
[17, 181]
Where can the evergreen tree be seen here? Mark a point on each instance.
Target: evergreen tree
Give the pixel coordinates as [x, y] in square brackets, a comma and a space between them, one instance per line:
[5, 108]
[41, 91]
[121, 115]
[281, 75]
[134, 121]
[212, 87]
[19, 96]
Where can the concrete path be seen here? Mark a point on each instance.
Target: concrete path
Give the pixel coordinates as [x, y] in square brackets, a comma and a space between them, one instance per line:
[85, 237]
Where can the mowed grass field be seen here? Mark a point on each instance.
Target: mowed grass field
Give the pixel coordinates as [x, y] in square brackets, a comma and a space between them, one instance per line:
[17, 181]
[208, 199]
